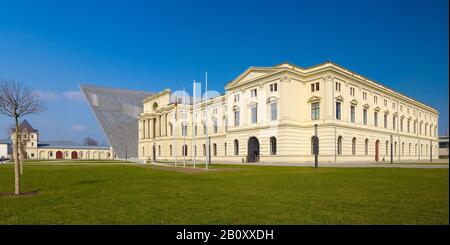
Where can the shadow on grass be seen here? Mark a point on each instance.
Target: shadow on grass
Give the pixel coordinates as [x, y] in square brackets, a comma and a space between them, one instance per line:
[22, 194]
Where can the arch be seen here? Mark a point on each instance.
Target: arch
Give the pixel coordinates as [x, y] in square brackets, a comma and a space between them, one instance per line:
[273, 145]
[41, 154]
[59, 155]
[377, 150]
[88, 155]
[236, 147]
[80, 154]
[339, 145]
[354, 146]
[95, 155]
[155, 106]
[366, 147]
[102, 155]
[253, 150]
[50, 154]
[74, 155]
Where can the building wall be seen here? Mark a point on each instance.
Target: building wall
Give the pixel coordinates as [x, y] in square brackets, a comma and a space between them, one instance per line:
[81, 154]
[294, 125]
[3, 150]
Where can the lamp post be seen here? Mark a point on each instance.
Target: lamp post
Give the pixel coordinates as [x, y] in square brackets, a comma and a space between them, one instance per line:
[316, 147]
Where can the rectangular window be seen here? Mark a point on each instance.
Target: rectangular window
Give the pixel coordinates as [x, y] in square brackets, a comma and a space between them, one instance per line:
[195, 130]
[184, 130]
[236, 98]
[338, 110]
[385, 120]
[273, 87]
[315, 111]
[409, 122]
[273, 111]
[338, 86]
[236, 118]
[385, 102]
[312, 87]
[375, 119]
[401, 124]
[352, 114]
[254, 114]
[364, 95]
[317, 86]
[375, 99]
[352, 91]
[365, 116]
[393, 122]
[253, 93]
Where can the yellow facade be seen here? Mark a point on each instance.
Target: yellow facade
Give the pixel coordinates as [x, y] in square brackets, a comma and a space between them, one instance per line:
[268, 114]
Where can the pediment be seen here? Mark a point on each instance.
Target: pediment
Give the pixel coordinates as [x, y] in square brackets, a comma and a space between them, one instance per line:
[251, 74]
[366, 106]
[272, 99]
[313, 99]
[340, 98]
[354, 102]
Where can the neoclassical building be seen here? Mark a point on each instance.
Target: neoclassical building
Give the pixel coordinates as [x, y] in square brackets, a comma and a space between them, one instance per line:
[34, 149]
[271, 114]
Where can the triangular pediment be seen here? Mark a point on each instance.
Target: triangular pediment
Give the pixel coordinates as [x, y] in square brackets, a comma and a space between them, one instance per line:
[251, 74]
[314, 99]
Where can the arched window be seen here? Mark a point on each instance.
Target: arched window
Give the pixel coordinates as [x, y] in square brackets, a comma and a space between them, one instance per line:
[273, 146]
[354, 146]
[214, 149]
[387, 147]
[215, 127]
[395, 148]
[195, 150]
[339, 145]
[415, 149]
[403, 148]
[204, 150]
[159, 150]
[170, 150]
[236, 147]
[366, 147]
[225, 148]
[184, 150]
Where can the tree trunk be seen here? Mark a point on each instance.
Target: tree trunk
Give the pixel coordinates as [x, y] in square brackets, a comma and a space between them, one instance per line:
[22, 154]
[16, 159]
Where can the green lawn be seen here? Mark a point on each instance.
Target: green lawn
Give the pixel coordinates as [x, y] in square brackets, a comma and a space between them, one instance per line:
[81, 192]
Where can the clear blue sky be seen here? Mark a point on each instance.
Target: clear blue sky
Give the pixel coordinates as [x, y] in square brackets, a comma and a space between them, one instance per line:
[148, 45]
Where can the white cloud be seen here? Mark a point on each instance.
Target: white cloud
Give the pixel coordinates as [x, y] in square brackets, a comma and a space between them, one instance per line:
[47, 95]
[74, 96]
[78, 127]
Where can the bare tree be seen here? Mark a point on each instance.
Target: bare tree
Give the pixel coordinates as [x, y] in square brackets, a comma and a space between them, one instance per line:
[90, 141]
[17, 100]
[22, 144]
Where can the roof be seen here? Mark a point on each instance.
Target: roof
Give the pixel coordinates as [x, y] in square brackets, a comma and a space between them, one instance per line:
[26, 125]
[84, 147]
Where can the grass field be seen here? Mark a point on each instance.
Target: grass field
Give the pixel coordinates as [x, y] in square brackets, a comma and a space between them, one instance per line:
[83, 192]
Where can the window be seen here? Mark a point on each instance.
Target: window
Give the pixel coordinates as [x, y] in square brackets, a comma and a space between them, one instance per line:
[253, 93]
[408, 126]
[314, 87]
[214, 149]
[338, 110]
[204, 129]
[393, 105]
[236, 118]
[195, 130]
[254, 114]
[204, 150]
[364, 95]
[401, 108]
[385, 102]
[171, 129]
[184, 130]
[338, 86]
[415, 127]
[236, 147]
[339, 145]
[375, 99]
[273, 111]
[375, 119]
[225, 122]
[385, 120]
[315, 111]
[394, 118]
[403, 148]
[365, 116]
[352, 91]
[225, 148]
[273, 146]
[184, 150]
[354, 146]
[159, 150]
[273, 87]
[387, 148]
[215, 126]
[170, 150]
[236, 98]
[352, 113]
[401, 124]
[366, 148]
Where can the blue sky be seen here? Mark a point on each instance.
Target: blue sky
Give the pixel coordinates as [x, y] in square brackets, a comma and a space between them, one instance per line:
[52, 46]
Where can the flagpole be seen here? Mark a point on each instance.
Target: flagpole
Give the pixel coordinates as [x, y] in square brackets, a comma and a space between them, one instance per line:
[206, 110]
[184, 134]
[175, 129]
[194, 122]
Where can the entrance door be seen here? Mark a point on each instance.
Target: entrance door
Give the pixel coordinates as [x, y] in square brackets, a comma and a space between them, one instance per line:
[377, 150]
[74, 155]
[59, 155]
[253, 150]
